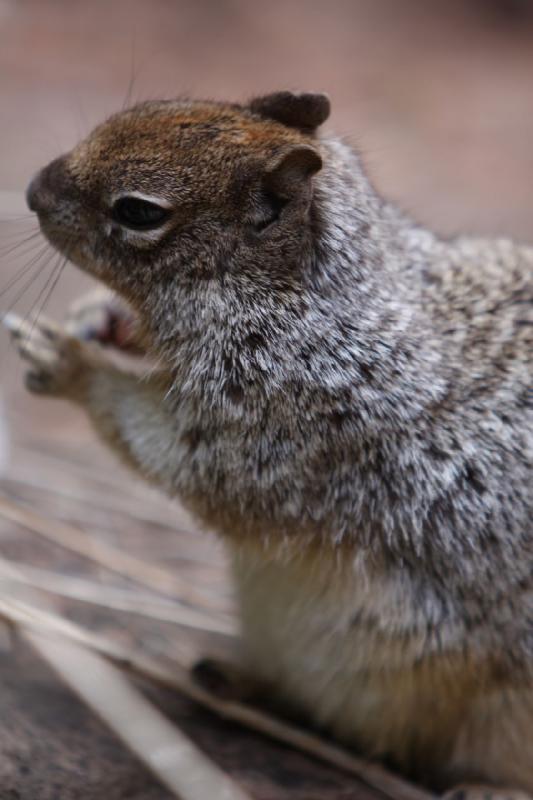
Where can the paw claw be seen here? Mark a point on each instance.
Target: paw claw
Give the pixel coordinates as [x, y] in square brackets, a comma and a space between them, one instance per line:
[13, 323]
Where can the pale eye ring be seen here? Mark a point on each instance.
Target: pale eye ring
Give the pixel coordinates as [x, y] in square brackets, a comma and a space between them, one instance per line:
[139, 214]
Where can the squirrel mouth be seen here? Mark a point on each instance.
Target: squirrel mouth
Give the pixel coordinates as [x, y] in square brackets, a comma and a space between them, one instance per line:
[57, 235]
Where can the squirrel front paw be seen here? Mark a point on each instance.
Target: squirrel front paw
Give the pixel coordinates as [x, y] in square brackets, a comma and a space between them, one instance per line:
[58, 362]
[102, 316]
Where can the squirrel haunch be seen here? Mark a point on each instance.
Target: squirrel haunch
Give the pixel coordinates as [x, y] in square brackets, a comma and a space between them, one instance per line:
[345, 397]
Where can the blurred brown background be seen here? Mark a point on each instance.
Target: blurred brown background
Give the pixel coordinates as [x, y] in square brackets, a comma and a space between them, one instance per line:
[437, 95]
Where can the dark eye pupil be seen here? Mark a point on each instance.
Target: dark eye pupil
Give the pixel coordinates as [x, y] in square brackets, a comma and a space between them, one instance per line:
[139, 214]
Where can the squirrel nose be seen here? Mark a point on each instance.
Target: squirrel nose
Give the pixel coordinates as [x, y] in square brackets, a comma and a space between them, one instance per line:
[46, 187]
[32, 192]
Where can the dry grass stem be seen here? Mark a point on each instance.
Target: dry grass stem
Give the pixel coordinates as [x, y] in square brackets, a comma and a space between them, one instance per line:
[104, 554]
[143, 512]
[118, 599]
[164, 749]
[178, 678]
[44, 459]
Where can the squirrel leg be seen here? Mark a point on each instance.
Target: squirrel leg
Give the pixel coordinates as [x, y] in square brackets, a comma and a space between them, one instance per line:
[129, 414]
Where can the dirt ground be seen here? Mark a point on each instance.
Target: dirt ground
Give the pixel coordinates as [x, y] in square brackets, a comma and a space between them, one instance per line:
[438, 96]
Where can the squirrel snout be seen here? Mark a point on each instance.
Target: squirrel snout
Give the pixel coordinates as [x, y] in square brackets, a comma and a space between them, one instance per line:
[32, 193]
[46, 187]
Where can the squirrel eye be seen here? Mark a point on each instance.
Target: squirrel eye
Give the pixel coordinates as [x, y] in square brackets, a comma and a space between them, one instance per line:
[141, 215]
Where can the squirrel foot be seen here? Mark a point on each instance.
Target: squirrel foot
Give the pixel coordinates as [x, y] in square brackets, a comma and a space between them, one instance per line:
[481, 792]
[226, 680]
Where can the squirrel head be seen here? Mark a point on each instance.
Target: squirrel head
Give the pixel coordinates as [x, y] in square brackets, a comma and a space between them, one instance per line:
[181, 191]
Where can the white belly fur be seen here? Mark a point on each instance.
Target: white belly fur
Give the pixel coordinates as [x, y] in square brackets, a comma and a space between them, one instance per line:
[342, 648]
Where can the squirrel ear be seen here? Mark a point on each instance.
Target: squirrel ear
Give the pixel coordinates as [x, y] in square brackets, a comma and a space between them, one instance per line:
[302, 110]
[289, 173]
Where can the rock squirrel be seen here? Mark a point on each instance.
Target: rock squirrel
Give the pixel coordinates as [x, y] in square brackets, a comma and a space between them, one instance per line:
[345, 397]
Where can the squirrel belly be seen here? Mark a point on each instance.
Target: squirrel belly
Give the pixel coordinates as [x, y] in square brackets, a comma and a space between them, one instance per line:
[351, 651]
